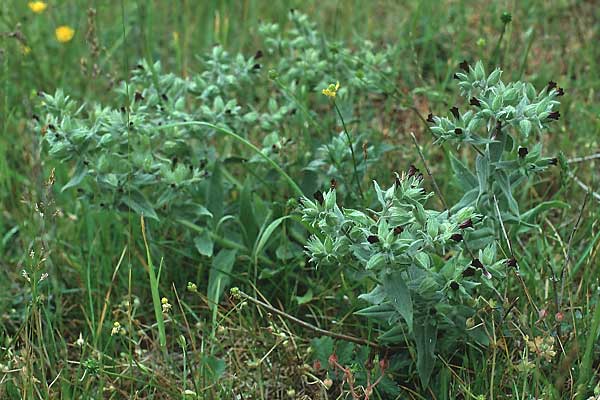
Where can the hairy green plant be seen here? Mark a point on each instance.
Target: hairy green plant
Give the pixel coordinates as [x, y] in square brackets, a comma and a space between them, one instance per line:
[430, 272]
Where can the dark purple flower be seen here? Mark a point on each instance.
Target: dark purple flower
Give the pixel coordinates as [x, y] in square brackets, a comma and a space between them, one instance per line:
[454, 111]
[398, 230]
[319, 197]
[412, 170]
[555, 115]
[430, 118]
[551, 85]
[523, 152]
[372, 239]
[477, 264]
[464, 65]
[511, 262]
[458, 131]
[457, 237]
[474, 102]
[454, 285]
[467, 224]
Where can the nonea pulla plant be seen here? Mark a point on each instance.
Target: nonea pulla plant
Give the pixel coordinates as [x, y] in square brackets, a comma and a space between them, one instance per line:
[430, 273]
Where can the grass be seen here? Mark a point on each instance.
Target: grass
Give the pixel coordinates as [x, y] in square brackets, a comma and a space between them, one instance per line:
[100, 268]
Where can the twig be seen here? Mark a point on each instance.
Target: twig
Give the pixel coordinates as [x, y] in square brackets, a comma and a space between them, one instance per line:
[306, 325]
[584, 158]
[351, 145]
[584, 186]
[568, 257]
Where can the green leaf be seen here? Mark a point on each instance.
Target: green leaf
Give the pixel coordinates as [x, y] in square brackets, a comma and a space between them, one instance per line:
[140, 204]
[204, 244]
[345, 351]
[546, 205]
[247, 217]
[80, 173]
[214, 366]
[496, 148]
[398, 295]
[307, 297]
[482, 167]
[426, 337]
[468, 200]
[481, 237]
[375, 296]
[375, 261]
[393, 336]
[265, 235]
[322, 349]
[503, 182]
[463, 175]
[383, 311]
[215, 196]
[218, 276]
[525, 127]
[289, 250]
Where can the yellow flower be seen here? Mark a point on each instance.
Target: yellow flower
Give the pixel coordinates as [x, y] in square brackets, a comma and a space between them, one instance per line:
[116, 329]
[166, 307]
[64, 33]
[37, 6]
[331, 90]
[25, 50]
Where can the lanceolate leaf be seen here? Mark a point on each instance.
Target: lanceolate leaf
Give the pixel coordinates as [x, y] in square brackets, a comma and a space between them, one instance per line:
[247, 217]
[465, 178]
[426, 338]
[398, 294]
[266, 235]
[218, 277]
[204, 243]
[78, 175]
[215, 194]
[140, 204]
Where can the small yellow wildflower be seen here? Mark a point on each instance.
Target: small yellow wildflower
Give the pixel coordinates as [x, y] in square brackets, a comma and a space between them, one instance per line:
[331, 90]
[191, 286]
[175, 36]
[117, 329]
[37, 6]
[64, 33]
[166, 307]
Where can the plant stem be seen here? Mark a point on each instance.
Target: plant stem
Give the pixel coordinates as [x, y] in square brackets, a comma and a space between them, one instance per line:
[310, 326]
[351, 145]
[435, 185]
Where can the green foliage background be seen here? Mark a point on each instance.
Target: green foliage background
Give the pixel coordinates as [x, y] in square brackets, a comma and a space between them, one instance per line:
[100, 268]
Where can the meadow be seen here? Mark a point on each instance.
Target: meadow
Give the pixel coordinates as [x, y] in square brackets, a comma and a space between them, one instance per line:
[299, 199]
